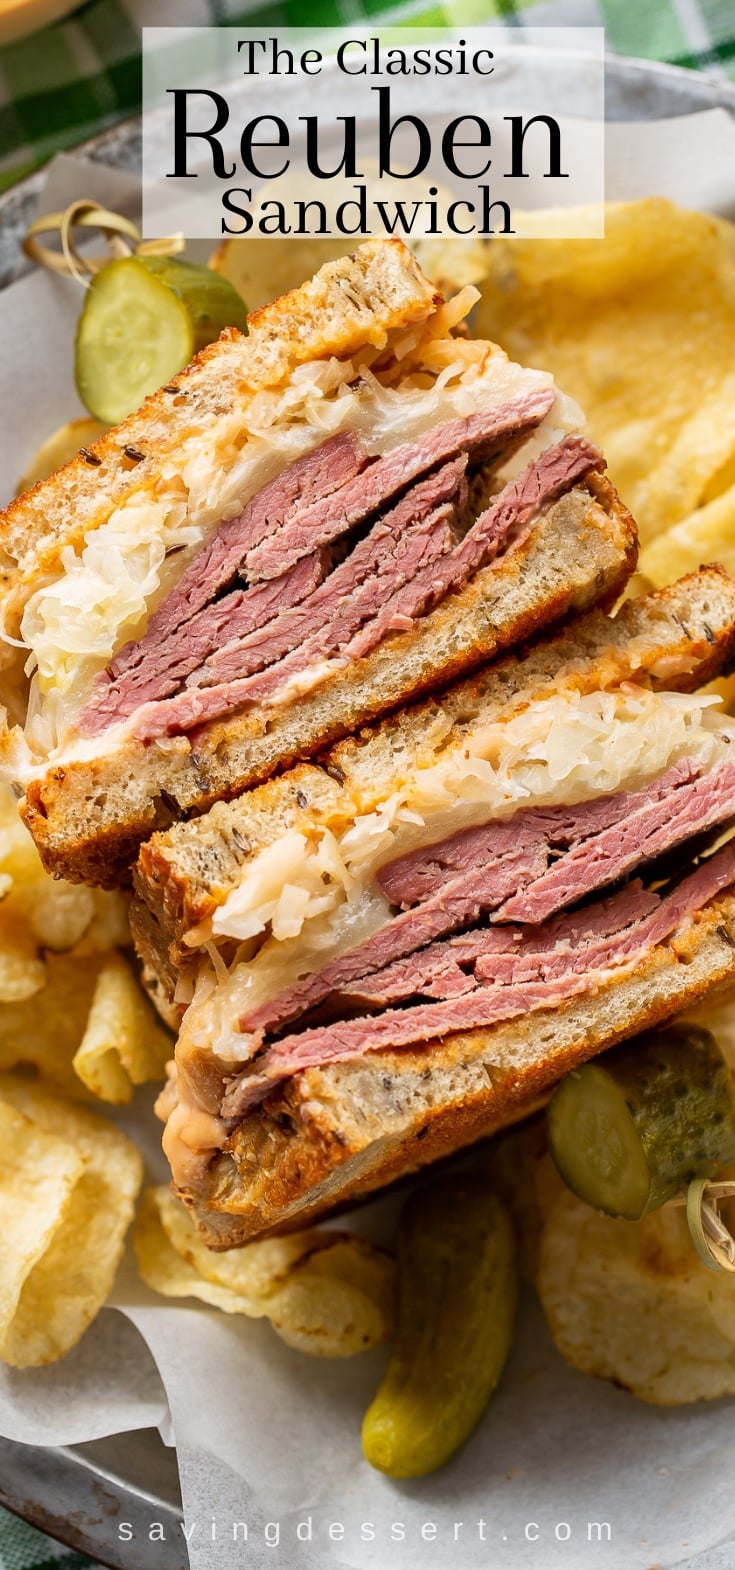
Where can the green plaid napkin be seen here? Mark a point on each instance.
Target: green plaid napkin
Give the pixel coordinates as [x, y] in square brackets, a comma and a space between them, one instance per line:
[76, 78]
[21, 1548]
[80, 76]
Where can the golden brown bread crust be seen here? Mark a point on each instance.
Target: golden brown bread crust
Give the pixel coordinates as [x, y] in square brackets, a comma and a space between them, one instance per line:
[333, 1135]
[183, 874]
[89, 818]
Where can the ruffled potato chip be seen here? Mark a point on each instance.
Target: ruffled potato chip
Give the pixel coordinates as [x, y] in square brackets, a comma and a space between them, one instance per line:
[123, 1044]
[38, 1172]
[70, 1005]
[706, 535]
[44, 1031]
[165, 1271]
[22, 970]
[717, 1014]
[640, 329]
[630, 1301]
[329, 1294]
[252, 1272]
[89, 1030]
[68, 1186]
[38, 912]
[337, 1300]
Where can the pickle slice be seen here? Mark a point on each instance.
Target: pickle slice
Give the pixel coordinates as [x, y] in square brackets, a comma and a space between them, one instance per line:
[458, 1289]
[628, 1131]
[144, 318]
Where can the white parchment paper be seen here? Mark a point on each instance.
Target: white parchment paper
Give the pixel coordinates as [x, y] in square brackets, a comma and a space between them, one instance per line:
[268, 1441]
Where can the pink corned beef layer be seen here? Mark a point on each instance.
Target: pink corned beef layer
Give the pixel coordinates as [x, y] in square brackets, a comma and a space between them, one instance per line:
[550, 973]
[479, 435]
[493, 868]
[448, 568]
[210, 631]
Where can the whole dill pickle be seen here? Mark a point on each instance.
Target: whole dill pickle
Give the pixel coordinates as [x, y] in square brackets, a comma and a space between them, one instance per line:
[458, 1291]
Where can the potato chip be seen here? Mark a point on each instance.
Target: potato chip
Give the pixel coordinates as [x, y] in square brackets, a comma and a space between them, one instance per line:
[630, 1301]
[252, 1272]
[88, 1030]
[640, 329]
[707, 535]
[326, 1293]
[38, 912]
[93, 1174]
[123, 1043]
[58, 449]
[44, 1031]
[337, 1300]
[120, 1042]
[38, 1172]
[717, 1014]
[22, 971]
[165, 1271]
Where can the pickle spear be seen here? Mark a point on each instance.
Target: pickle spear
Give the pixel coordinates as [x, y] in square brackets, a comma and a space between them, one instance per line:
[457, 1296]
[144, 318]
[628, 1131]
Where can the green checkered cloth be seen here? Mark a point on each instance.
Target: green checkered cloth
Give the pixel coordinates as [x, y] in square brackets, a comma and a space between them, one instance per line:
[22, 1548]
[80, 76]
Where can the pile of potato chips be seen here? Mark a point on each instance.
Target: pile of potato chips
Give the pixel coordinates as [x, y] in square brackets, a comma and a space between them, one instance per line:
[327, 1293]
[70, 1003]
[73, 1020]
[68, 1185]
[639, 328]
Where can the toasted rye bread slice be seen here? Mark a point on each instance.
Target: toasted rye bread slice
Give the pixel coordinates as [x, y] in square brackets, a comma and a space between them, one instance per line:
[333, 1135]
[89, 817]
[679, 637]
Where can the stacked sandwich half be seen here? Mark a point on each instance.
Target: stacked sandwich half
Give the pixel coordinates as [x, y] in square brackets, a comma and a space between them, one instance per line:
[473, 868]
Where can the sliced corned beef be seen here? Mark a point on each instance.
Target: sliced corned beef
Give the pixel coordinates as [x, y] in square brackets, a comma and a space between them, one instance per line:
[166, 665]
[422, 873]
[506, 522]
[318, 473]
[481, 435]
[198, 638]
[557, 467]
[485, 864]
[396, 547]
[656, 825]
[195, 705]
[484, 1006]
[571, 942]
[250, 628]
[459, 902]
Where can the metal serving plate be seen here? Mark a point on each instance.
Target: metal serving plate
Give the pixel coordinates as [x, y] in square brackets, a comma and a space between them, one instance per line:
[79, 1493]
[76, 1493]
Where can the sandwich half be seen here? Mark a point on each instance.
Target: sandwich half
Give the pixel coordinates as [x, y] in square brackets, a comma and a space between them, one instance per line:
[307, 526]
[382, 956]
